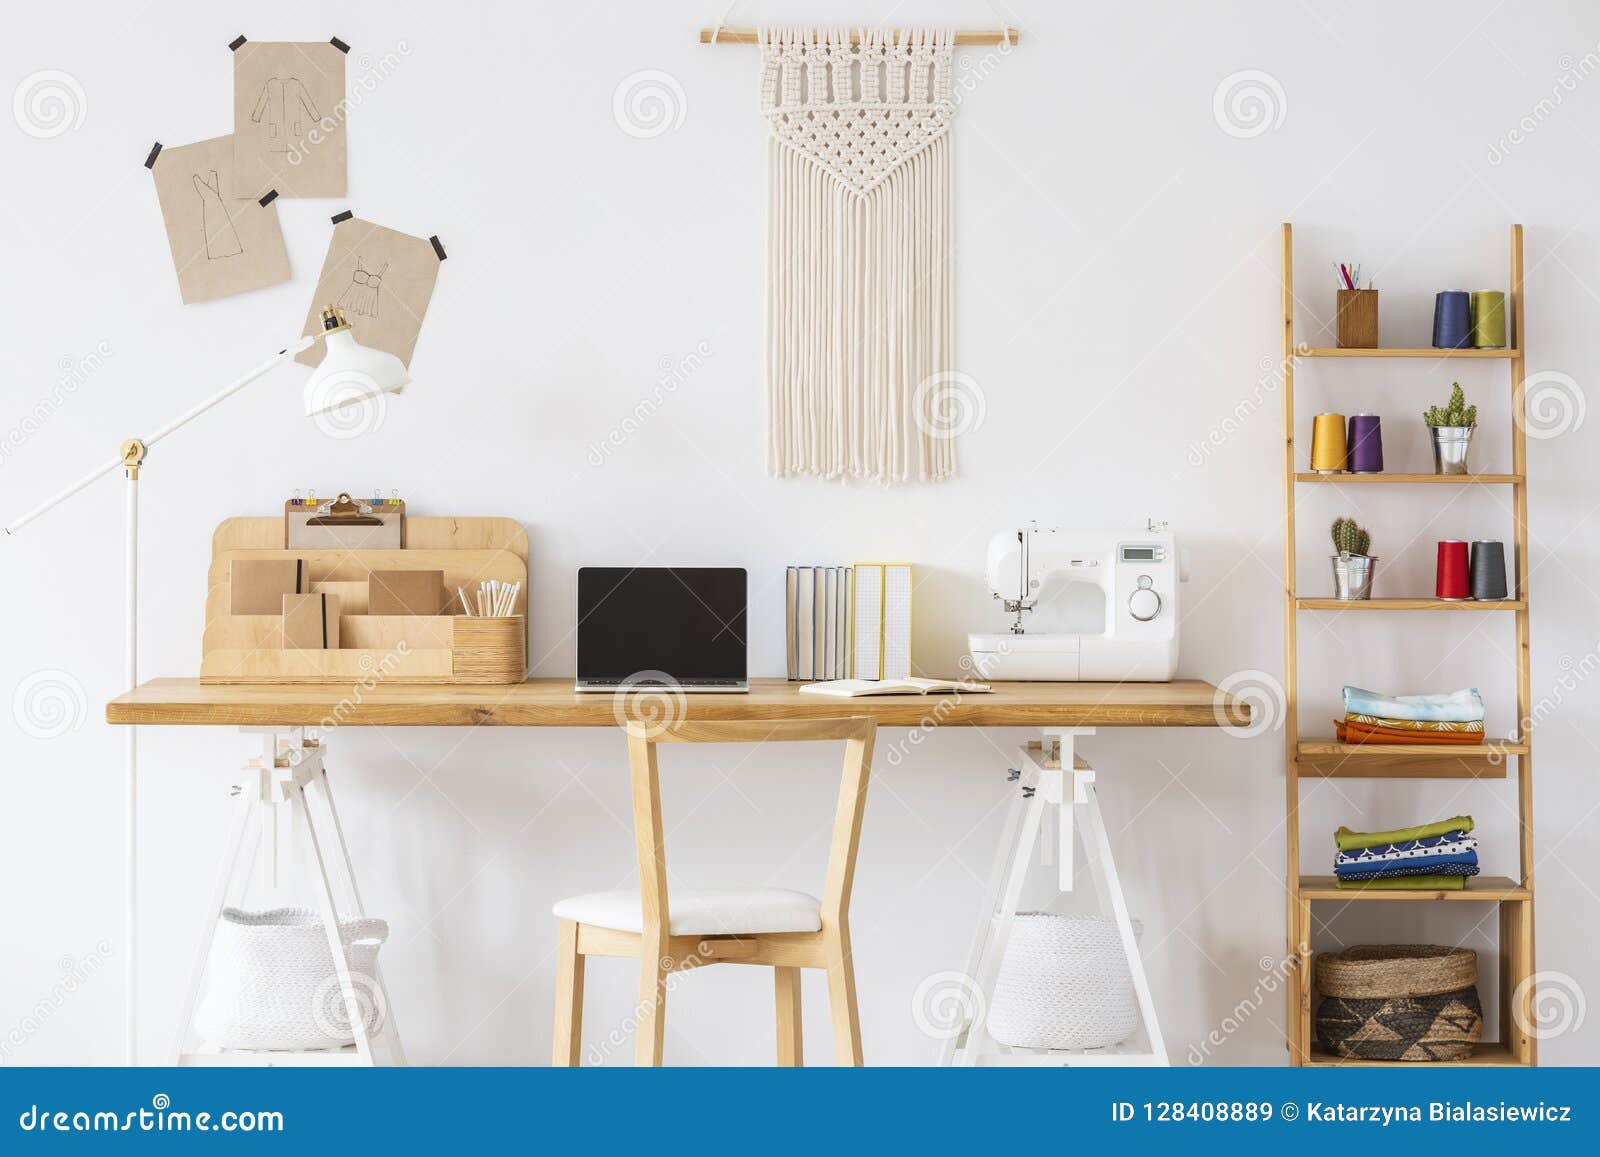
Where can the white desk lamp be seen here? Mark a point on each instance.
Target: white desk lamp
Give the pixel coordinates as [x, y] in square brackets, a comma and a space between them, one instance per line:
[350, 374]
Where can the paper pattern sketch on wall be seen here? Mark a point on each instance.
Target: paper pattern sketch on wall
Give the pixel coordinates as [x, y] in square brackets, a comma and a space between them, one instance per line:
[289, 118]
[382, 280]
[859, 322]
[220, 244]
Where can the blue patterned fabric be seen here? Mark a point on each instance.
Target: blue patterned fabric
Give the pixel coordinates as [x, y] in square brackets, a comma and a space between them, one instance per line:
[1420, 866]
[1468, 868]
[1409, 850]
[1464, 706]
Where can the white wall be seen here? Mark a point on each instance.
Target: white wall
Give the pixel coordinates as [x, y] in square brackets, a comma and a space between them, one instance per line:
[1118, 300]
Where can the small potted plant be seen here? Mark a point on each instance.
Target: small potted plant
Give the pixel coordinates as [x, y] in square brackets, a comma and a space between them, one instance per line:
[1352, 566]
[1451, 429]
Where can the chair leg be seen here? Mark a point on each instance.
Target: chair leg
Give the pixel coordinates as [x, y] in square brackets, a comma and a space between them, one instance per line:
[842, 1004]
[786, 988]
[567, 1043]
[651, 1036]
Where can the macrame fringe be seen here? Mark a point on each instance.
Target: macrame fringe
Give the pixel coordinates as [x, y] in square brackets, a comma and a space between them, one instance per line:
[859, 311]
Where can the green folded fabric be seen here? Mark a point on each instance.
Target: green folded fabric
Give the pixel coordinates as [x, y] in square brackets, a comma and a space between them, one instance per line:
[1409, 883]
[1349, 841]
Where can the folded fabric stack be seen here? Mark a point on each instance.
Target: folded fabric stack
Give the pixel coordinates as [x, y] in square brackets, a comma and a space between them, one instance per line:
[1429, 858]
[1434, 719]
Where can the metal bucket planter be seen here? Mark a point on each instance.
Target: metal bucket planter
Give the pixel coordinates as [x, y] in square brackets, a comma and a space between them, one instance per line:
[1352, 576]
[1450, 445]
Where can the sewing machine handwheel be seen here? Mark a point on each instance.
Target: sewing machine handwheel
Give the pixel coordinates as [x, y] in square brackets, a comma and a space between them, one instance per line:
[1144, 604]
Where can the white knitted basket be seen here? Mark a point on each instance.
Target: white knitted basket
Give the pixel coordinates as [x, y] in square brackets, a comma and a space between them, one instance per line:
[1064, 984]
[273, 984]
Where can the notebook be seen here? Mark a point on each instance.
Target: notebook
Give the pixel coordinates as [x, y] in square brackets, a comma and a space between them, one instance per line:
[882, 619]
[854, 688]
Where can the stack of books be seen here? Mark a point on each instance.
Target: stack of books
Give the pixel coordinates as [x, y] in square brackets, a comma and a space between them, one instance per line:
[846, 622]
[818, 621]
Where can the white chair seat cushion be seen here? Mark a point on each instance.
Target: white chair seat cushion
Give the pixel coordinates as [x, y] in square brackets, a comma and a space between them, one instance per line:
[701, 911]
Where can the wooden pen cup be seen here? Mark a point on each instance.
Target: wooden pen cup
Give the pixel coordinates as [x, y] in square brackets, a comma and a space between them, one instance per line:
[1357, 320]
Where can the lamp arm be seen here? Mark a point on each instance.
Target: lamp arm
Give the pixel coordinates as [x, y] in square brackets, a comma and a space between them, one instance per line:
[182, 420]
[228, 391]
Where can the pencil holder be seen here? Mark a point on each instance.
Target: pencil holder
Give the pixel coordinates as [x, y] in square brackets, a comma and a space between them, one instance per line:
[1357, 322]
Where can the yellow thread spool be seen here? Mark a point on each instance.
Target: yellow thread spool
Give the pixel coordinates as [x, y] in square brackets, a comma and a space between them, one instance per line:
[1327, 444]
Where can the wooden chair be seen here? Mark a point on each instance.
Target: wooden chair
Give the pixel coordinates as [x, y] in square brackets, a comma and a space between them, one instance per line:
[785, 930]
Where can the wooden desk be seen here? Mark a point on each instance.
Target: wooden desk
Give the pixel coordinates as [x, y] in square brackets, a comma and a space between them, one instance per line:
[1062, 710]
[553, 703]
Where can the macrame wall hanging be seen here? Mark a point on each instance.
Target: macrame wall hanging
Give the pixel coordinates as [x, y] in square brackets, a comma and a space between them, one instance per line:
[860, 320]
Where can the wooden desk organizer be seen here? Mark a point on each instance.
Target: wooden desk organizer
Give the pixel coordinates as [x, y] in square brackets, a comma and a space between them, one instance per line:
[374, 648]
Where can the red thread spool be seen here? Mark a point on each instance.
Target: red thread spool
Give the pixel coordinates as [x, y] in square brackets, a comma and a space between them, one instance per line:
[1453, 581]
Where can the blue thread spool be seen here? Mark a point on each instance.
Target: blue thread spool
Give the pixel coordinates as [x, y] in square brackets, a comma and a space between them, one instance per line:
[1452, 320]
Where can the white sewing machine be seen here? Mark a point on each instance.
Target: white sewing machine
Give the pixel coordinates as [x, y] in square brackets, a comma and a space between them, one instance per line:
[1137, 573]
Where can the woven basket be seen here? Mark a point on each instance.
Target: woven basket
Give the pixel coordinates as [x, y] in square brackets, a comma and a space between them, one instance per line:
[1378, 971]
[1441, 1027]
[273, 984]
[1064, 984]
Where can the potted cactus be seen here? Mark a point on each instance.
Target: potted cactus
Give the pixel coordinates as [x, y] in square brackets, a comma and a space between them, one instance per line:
[1450, 428]
[1352, 566]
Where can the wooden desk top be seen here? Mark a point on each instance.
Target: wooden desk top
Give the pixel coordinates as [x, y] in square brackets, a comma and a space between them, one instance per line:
[553, 703]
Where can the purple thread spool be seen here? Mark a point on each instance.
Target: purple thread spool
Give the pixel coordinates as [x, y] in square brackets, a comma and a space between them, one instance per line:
[1366, 444]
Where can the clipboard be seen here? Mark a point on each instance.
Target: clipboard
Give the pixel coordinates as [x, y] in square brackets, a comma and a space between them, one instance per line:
[344, 524]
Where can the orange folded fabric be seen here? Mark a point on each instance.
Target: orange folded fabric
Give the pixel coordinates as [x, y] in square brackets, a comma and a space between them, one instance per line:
[1349, 731]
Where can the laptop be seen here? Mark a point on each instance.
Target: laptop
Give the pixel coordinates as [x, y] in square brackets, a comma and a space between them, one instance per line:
[676, 626]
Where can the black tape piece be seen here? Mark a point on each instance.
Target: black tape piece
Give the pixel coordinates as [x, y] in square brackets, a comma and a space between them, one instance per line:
[269, 197]
[233, 45]
[437, 248]
[155, 151]
[345, 216]
[340, 45]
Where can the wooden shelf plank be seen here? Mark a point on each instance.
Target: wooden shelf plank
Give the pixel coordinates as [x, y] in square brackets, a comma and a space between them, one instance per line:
[1427, 767]
[1435, 479]
[1411, 605]
[1484, 888]
[1404, 352]
[1403, 750]
[1327, 759]
[1490, 1054]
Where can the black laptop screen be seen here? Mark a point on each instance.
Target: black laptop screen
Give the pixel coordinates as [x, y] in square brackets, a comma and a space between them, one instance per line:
[688, 622]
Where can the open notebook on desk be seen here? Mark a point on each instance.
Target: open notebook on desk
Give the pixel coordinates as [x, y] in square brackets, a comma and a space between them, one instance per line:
[851, 688]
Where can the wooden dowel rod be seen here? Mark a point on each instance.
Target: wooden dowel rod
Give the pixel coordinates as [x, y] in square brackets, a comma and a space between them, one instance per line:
[966, 36]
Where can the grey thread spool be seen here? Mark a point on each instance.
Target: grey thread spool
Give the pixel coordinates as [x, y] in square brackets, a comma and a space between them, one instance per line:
[1488, 570]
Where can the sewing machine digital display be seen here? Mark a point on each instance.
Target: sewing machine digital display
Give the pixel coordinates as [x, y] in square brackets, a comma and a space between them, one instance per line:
[1141, 554]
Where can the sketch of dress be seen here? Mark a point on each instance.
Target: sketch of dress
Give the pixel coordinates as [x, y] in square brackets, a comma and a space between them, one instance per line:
[282, 102]
[361, 296]
[222, 239]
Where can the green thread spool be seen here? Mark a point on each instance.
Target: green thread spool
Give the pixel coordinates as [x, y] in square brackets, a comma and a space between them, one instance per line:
[1489, 320]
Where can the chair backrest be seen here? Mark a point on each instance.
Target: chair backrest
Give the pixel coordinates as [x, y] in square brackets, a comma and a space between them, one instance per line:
[858, 735]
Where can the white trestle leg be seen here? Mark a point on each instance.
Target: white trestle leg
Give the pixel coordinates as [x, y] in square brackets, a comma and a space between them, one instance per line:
[288, 774]
[1051, 774]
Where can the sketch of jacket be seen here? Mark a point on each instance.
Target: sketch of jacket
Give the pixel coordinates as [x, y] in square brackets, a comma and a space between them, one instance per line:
[221, 238]
[283, 102]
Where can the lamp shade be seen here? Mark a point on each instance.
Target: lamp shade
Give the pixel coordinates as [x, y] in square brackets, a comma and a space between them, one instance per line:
[352, 374]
